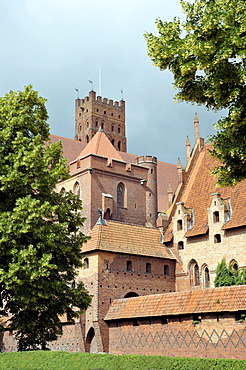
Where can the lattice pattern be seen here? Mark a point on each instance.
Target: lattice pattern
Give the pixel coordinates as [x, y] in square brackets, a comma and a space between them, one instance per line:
[184, 339]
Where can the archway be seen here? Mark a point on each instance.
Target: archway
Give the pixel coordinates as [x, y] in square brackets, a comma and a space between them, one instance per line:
[89, 338]
[131, 294]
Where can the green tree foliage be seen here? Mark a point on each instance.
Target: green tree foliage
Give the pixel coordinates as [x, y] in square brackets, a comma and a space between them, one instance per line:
[225, 276]
[40, 237]
[206, 55]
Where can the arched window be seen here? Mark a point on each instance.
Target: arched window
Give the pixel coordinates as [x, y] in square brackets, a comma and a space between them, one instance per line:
[166, 270]
[112, 128]
[87, 123]
[120, 195]
[206, 277]
[87, 139]
[234, 266]
[86, 263]
[216, 216]
[119, 145]
[130, 295]
[76, 189]
[148, 267]
[128, 265]
[102, 125]
[193, 269]
[63, 190]
[217, 238]
[80, 128]
[96, 123]
[179, 225]
[107, 214]
[119, 130]
[112, 141]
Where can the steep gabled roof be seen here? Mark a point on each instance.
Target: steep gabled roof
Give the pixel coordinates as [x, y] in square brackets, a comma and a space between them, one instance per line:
[71, 147]
[196, 194]
[223, 299]
[101, 145]
[126, 238]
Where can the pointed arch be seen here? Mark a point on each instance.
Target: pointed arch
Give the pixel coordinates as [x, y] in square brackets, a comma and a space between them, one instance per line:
[89, 338]
[193, 271]
[120, 194]
[76, 189]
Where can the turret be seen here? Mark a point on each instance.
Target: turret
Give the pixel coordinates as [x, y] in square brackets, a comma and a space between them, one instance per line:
[187, 149]
[150, 188]
[196, 127]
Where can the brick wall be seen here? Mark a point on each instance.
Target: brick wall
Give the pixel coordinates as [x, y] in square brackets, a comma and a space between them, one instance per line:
[216, 336]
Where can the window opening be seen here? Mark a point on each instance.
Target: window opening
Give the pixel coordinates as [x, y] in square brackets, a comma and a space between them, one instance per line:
[166, 270]
[119, 145]
[216, 216]
[217, 238]
[148, 267]
[129, 265]
[86, 263]
[179, 225]
[206, 277]
[120, 195]
[181, 245]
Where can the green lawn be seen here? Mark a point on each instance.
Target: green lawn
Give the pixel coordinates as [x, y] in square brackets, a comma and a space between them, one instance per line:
[45, 360]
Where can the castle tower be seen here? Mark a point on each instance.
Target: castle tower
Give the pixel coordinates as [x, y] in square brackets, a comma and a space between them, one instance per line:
[150, 185]
[93, 112]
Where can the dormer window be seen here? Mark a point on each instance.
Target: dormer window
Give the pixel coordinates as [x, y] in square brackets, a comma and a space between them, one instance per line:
[216, 216]
[217, 238]
[179, 225]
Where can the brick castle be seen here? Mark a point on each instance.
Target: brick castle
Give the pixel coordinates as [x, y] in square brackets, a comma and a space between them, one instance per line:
[155, 243]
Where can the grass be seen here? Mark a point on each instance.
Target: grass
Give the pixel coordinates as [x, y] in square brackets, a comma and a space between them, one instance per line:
[45, 360]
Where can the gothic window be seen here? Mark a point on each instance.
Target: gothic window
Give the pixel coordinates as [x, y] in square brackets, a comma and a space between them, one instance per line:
[217, 238]
[119, 130]
[193, 269]
[181, 245]
[96, 123]
[112, 128]
[87, 139]
[102, 125]
[86, 263]
[63, 190]
[206, 277]
[128, 265]
[107, 214]
[179, 225]
[234, 266]
[80, 128]
[120, 195]
[119, 145]
[76, 189]
[112, 142]
[148, 267]
[216, 216]
[166, 270]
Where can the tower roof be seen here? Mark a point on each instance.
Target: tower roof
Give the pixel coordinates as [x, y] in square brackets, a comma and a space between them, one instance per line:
[101, 145]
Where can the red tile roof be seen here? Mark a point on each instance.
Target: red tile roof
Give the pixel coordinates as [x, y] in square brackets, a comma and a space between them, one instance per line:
[101, 145]
[223, 299]
[166, 172]
[196, 194]
[125, 238]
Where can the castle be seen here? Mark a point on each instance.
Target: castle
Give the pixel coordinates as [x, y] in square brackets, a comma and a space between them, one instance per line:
[155, 243]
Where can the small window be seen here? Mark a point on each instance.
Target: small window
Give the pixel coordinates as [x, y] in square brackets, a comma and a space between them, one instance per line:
[129, 265]
[104, 112]
[112, 142]
[96, 123]
[179, 225]
[148, 267]
[112, 128]
[78, 163]
[76, 189]
[102, 125]
[166, 270]
[80, 128]
[206, 278]
[119, 116]
[97, 110]
[217, 238]
[87, 139]
[181, 245]
[120, 195]
[216, 216]
[119, 145]
[87, 123]
[86, 263]
[112, 114]
[196, 275]
[119, 130]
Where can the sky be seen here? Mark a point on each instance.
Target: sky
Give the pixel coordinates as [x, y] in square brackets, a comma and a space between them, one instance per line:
[59, 45]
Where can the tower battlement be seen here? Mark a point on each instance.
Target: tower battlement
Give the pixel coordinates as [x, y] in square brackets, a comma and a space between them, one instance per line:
[93, 112]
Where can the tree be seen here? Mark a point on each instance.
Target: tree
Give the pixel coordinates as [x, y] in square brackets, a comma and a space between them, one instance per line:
[206, 55]
[40, 237]
[225, 276]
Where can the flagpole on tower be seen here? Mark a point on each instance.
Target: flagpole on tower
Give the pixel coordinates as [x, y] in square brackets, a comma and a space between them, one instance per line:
[91, 82]
[77, 92]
